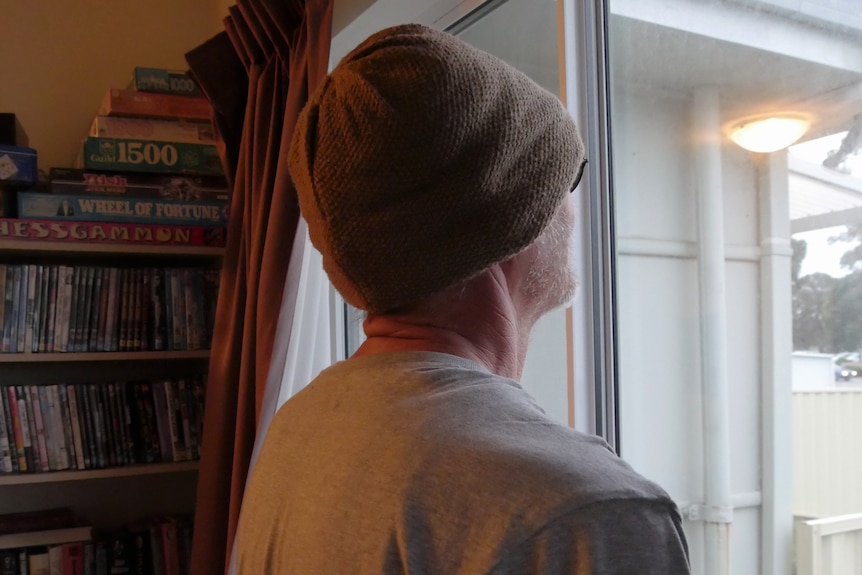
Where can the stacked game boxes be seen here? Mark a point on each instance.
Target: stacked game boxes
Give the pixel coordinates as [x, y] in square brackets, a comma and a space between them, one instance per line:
[150, 175]
[149, 158]
[18, 165]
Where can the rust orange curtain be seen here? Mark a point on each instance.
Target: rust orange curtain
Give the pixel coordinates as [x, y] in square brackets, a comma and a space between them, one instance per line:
[258, 74]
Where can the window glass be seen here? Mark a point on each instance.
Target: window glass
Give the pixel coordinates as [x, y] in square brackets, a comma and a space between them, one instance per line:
[524, 33]
[738, 224]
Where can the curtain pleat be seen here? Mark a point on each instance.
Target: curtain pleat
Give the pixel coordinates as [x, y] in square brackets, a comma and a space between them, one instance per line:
[254, 130]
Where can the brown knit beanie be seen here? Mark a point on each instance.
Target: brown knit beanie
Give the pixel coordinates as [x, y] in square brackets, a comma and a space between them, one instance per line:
[422, 161]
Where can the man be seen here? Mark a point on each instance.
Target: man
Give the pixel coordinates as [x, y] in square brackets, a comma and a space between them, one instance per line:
[435, 180]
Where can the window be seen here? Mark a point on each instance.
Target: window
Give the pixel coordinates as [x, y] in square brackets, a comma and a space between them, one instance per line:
[717, 338]
[728, 343]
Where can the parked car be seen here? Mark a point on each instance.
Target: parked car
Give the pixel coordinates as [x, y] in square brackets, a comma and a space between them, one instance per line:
[845, 373]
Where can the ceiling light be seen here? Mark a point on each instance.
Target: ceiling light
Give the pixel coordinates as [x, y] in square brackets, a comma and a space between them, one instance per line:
[768, 133]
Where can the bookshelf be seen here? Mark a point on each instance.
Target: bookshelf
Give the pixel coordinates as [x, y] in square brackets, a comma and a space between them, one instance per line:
[90, 474]
[108, 495]
[30, 247]
[103, 356]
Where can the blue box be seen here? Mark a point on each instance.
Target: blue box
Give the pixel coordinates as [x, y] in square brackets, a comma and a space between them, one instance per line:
[18, 165]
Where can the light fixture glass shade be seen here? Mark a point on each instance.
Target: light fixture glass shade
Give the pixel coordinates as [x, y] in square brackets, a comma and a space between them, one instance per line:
[768, 134]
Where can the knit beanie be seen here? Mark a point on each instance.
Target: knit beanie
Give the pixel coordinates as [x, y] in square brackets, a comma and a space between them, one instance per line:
[422, 161]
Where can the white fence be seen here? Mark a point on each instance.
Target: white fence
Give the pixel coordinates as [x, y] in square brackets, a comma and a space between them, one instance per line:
[831, 546]
[827, 452]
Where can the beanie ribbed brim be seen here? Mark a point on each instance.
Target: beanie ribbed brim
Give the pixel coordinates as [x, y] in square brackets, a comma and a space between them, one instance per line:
[422, 161]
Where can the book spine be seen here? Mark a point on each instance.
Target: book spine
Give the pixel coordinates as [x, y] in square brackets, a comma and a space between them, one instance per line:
[77, 436]
[102, 324]
[119, 399]
[12, 312]
[180, 332]
[110, 298]
[149, 130]
[85, 308]
[10, 428]
[76, 403]
[170, 317]
[133, 391]
[144, 310]
[5, 452]
[43, 307]
[106, 232]
[33, 328]
[89, 558]
[175, 422]
[171, 550]
[118, 301]
[73, 559]
[52, 308]
[93, 322]
[34, 398]
[68, 295]
[48, 428]
[59, 435]
[57, 324]
[189, 296]
[125, 289]
[19, 434]
[7, 289]
[83, 396]
[152, 429]
[157, 310]
[24, 414]
[182, 396]
[126, 422]
[111, 397]
[32, 290]
[154, 156]
[98, 424]
[68, 432]
[74, 309]
[107, 425]
[160, 408]
[22, 310]
[24, 392]
[135, 311]
[148, 105]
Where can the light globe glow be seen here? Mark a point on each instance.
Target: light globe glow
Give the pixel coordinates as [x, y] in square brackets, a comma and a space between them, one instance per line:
[768, 134]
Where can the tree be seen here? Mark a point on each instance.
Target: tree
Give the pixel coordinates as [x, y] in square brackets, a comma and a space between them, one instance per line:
[813, 312]
[852, 258]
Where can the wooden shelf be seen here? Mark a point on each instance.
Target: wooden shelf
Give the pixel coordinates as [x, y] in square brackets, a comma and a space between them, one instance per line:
[111, 472]
[35, 247]
[102, 356]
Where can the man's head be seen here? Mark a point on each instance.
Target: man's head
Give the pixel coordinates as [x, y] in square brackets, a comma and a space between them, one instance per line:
[422, 162]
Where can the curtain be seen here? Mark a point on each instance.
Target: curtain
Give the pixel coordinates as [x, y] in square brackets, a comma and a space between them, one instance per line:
[258, 75]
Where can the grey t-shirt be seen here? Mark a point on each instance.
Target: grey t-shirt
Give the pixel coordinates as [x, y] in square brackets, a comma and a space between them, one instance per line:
[427, 464]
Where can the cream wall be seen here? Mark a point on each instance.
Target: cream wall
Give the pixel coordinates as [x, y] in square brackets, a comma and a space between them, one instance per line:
[57, 59]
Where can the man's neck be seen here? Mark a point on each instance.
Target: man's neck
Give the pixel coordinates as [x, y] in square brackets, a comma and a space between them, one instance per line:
[479, 321]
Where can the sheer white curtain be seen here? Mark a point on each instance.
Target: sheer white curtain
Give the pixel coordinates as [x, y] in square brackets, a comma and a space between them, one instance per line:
[303, 346]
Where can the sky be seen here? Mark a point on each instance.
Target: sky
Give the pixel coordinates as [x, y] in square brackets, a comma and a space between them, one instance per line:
[821, 255]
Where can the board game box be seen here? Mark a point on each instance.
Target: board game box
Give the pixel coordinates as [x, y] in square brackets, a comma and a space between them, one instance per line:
[143, 129]
[138, 185]
[18, 165]
[111, 232]
[151, 156]
[34, 205]
[152, 105]
[164, 81]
